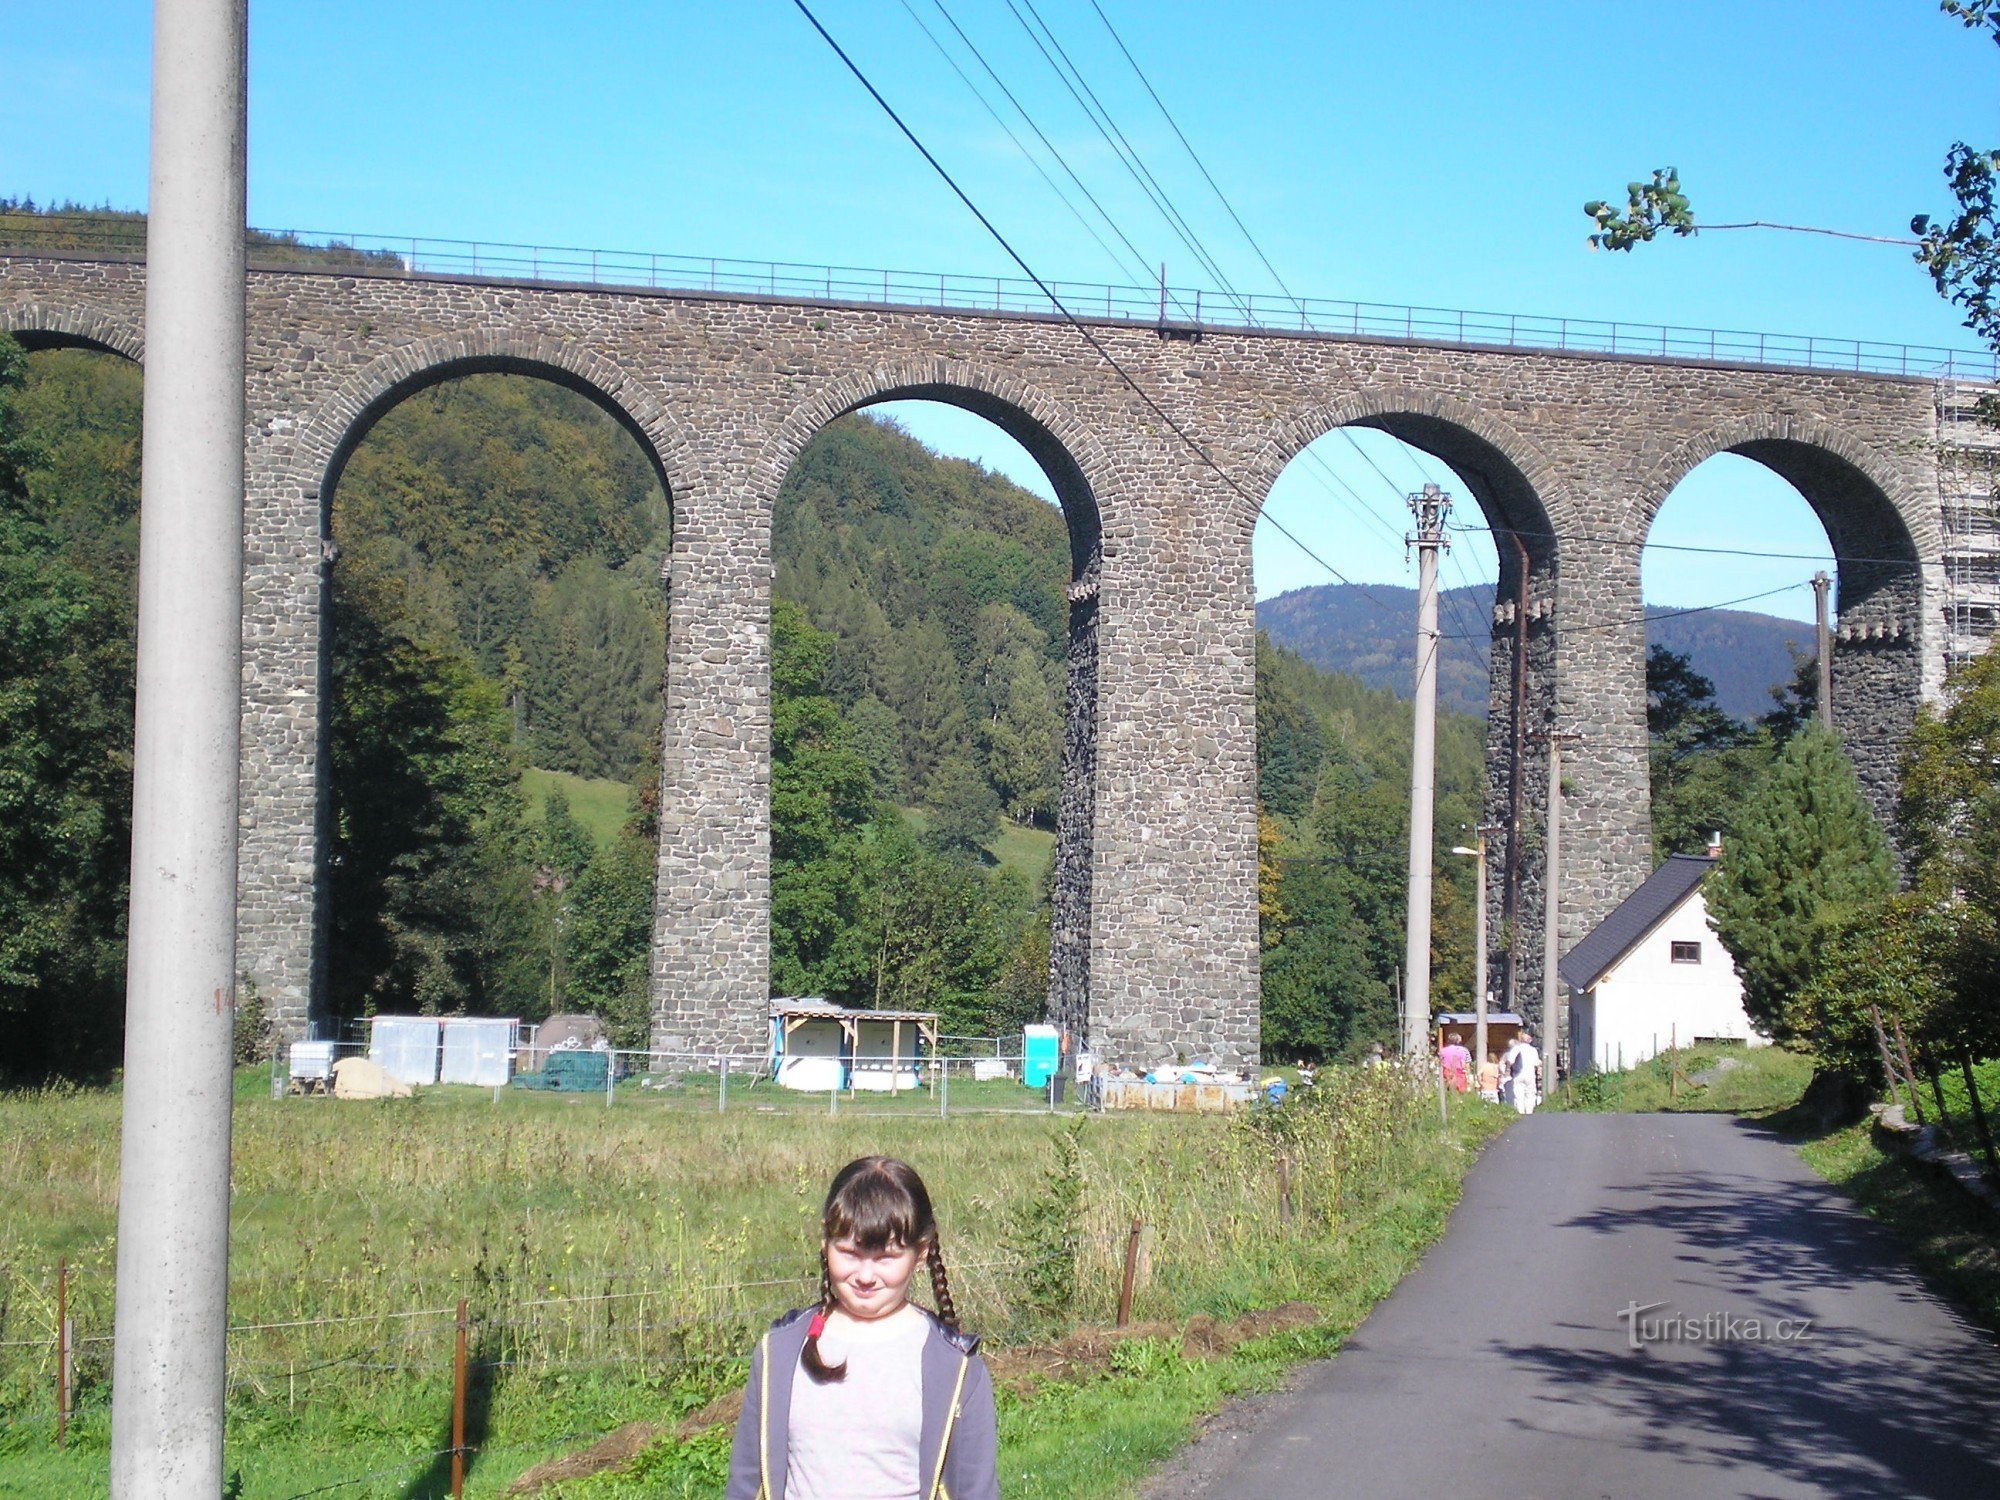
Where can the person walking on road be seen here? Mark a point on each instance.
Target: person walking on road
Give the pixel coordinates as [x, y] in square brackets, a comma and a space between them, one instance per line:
[1456, 1062]
[1519, 1069]
[1489, 1079]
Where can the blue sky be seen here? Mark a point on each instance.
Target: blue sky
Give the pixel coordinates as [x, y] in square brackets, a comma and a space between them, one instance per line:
[1436, 155]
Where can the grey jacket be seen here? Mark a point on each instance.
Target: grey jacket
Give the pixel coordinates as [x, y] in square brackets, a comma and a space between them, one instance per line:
[956, 1459]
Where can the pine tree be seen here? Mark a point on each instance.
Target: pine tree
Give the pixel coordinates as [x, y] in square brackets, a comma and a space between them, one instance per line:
[1806, 852]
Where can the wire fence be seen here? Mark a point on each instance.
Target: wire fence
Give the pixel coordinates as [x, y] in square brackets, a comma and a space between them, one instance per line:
[382, 1363]
[958, 1075]
[423, 1356]
[1186, 310]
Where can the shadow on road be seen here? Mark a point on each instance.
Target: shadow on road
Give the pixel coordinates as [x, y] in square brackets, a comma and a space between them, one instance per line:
[1855, 1411]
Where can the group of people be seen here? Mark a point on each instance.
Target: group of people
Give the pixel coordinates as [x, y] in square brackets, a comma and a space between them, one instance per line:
[1512, 1078]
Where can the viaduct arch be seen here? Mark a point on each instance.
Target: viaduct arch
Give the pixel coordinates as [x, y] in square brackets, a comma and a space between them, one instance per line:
[1573, 453]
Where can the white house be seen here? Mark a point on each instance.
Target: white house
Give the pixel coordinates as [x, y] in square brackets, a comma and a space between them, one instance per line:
[1653, 974]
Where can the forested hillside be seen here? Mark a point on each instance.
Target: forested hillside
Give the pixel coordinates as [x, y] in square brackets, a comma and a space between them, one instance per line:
[1367, 632]
[1333, 781]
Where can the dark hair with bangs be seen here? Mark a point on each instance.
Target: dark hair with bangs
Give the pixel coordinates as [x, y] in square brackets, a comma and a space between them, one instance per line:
[876, 1203]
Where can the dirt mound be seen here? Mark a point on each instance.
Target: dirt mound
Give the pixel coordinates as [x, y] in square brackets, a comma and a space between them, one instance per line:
[627, 1443]
[608, 1452]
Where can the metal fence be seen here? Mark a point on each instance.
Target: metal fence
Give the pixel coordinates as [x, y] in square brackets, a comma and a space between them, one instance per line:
[1184, 309]
[985, 1076]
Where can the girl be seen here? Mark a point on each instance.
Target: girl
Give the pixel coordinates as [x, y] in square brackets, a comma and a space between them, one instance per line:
[867, 1396]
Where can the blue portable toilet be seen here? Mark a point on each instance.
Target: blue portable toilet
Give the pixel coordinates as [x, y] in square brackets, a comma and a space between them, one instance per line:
[1041, 1054]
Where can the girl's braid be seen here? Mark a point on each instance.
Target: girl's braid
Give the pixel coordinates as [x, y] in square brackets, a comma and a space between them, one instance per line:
[810, 1359]
[941, 1286]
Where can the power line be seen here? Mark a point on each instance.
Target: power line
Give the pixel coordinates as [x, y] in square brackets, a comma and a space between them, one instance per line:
[1113, 137]
[1173, 125]
[1124, 267]
[1061, 161]
[1675, 614]
[1644, 546]
[1081, 328]
[1129, 156]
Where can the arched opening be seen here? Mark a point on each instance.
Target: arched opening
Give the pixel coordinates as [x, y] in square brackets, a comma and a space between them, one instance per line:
[492, 673]
[934, 631]
[69, 534]
[1335, 674]
[1730, 554]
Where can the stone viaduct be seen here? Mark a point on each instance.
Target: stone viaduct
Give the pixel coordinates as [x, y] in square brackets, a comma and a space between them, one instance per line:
[1156, 947]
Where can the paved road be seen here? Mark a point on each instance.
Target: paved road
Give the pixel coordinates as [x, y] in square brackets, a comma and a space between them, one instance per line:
[1501, 1368]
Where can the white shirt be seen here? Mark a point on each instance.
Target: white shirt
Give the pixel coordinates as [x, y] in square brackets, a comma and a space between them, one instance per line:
[1526, 1060]
[858, 1438]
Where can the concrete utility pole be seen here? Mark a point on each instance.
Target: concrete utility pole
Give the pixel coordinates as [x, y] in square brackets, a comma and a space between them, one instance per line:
[1824, 638]
[1479, 990]
[1554, 1017]
[1430, 507]
[173, 1186]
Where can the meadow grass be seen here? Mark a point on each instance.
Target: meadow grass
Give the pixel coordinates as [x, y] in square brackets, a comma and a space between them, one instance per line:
[619, 1260]
[1020, 847]
[600, 805]
[1734, 1079]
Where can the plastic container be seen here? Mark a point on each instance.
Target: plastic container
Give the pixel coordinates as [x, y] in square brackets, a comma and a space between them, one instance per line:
[1041, 1054]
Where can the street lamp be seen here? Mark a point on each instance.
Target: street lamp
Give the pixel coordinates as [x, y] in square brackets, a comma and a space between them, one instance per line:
[1479, 945]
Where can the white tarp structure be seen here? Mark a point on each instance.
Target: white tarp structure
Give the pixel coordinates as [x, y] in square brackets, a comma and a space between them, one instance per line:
[479, 1050]
[815, 1075]
[405, 1047]
[817, 1045]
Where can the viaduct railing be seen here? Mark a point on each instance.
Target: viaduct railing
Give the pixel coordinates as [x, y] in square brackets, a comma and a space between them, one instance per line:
[1178, 310]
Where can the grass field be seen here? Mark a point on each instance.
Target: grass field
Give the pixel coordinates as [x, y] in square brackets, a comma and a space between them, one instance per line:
[1712, 1078]
[601, 806]
[618, 1261]
[1017, 846]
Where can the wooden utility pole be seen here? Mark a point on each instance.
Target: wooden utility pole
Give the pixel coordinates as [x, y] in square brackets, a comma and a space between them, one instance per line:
[1823, 634]
[458, 1385]
[1517, 761]
[1430, 507]
[1479, 957]
[1553, 1018]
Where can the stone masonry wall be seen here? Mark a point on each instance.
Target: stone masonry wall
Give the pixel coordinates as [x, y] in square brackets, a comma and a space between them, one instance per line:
[1575, 451]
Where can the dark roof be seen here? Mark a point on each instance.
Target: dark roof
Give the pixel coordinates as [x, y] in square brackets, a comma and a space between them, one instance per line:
[1634, 917]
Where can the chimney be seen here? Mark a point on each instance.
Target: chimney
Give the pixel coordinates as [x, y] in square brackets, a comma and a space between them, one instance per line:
[1715, 845]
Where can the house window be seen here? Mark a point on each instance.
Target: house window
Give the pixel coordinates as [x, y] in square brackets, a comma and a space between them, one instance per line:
[1687, 953]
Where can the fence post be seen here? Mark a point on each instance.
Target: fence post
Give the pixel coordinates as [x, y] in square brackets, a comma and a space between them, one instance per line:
[1284, 1190]
[944, 1088]
[722, 1090]
[610, 1073]
[1131, 1271]
[458, 1407]
[65, 1347]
